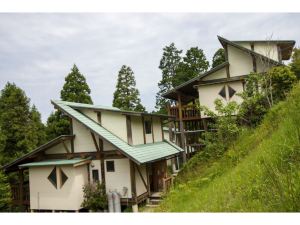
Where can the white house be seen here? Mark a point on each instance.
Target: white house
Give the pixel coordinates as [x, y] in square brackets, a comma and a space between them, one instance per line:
[223, 82]
[126, 150]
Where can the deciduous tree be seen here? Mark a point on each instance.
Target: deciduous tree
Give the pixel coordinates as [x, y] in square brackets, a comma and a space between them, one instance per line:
[295, 64]
[219, 57]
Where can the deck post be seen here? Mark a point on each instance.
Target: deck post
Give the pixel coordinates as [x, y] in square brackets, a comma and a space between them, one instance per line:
[133, 182]
[181, 129]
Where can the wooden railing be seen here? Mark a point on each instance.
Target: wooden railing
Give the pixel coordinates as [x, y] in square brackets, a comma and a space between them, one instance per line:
[189, 112]
[16, 196]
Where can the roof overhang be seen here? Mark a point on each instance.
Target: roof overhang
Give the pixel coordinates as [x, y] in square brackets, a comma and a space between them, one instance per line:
[187, 90]
[57, 162]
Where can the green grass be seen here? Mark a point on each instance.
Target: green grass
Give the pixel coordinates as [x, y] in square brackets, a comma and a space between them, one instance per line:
[260, 172]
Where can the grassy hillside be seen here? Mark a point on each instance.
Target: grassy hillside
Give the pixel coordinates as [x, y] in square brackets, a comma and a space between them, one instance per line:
[260, 171]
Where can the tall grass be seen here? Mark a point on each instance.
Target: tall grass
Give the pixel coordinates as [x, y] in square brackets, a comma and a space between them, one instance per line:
[259, 172]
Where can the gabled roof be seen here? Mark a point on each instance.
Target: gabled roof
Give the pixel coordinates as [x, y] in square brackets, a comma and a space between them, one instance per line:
[187, 87]
[76, 105]
[140, 153]
[224, 41]
[55, 141]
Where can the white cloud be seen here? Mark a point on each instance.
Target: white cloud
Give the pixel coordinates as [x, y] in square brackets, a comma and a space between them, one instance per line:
[38, 50]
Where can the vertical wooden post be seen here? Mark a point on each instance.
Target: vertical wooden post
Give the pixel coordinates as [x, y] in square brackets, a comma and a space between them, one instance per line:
[102, 160]
[133, 182]
[144, 134]
[129, 130]
[162, 129]
[152, 129]
[148, 179]
[72, 133]
[21, 181]
[182, 136]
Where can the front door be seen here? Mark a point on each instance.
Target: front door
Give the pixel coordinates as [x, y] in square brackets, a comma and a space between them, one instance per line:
[159, 171]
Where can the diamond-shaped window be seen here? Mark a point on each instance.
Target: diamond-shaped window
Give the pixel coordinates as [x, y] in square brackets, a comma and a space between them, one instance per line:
[231, 91]
[64, 178]
[52, 177]
[223, 92]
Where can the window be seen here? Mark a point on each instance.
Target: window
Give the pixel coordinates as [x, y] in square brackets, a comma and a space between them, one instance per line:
[95, 174]
[148, 128]
[52, 177]
[110, 166]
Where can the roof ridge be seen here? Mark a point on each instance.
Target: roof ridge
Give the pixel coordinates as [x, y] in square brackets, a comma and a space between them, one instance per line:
[248, 50]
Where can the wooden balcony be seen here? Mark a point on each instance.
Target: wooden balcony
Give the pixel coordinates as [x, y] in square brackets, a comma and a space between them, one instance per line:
[189, 112]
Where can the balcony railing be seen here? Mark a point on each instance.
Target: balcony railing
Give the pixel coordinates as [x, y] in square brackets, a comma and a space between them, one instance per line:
[189, 112]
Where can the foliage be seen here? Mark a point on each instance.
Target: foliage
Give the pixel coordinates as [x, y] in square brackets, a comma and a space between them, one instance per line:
[18, 125]
[219, 57]
[224, 128]
[5, 194]
[75, 89]
[258, 173]
[168, 65]
[126, 95]
[295, 63]
[95, 197]
[194, 63]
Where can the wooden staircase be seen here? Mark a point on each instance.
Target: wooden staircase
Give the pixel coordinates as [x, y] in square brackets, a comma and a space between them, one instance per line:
[154, 200]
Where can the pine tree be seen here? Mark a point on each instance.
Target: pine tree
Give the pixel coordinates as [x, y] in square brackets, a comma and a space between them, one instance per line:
[295, 64]
[168, 65]
[194, 63]
[5, 194]
[17, 124]
[218, 58]
[126, 95]
[75, 89]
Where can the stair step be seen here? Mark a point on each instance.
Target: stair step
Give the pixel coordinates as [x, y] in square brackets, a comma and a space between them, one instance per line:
[155, 201]
[151, 206]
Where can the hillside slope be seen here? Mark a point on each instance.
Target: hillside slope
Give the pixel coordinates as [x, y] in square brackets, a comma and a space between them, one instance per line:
[260, 172]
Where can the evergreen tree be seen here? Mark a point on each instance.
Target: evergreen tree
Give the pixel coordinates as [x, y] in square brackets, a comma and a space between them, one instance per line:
[218, 58]
[37, 129]
[295, 64]
[17, 124]
[75, 89]
[126, 96]
[194, 63]
[168, 65]
[5, 194]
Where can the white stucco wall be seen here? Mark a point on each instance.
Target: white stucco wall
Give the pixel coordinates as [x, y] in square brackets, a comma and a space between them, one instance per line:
[137, 130]
[115, 122]
[267, 49]
[59, 148]
[240, 62]
[43, 195]
[157, 129]
[238, 87]
[90, 113]
[116, 181]
[140, 187]
[216, 75]
[83, 141]
[95, 165]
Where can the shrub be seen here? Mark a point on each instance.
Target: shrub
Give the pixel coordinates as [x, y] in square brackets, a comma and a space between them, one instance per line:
[95, 198]
[5, 194]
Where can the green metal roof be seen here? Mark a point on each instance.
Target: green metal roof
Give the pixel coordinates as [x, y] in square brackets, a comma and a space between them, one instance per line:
[58, 162]
[139, 153]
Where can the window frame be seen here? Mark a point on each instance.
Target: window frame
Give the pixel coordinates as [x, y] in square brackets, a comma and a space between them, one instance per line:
[107, 166]
[149, 126]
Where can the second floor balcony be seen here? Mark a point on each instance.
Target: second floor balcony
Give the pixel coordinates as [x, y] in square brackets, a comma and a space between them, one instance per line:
[188, 112]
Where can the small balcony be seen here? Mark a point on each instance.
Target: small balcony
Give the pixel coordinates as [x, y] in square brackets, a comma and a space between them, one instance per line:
[189, 112]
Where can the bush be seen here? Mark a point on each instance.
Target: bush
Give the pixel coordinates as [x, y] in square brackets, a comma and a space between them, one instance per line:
[95, 198]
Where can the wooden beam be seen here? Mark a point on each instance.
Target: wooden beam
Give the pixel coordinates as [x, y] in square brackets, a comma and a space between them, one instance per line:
[162, 129]
[72, 133]
[139, 172]
[148, 179]
[99, 117]
[226, 59]
[144, 134]
[129, 130]
[182, 136]
[21, 181]
[102, 156]
[95, 142]
[152, 129]
[66, 147]
[133, 182]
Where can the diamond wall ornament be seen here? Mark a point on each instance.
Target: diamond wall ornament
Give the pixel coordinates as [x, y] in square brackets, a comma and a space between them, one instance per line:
[64, 178]
[52, 177]
[223, 92]
[231, 91]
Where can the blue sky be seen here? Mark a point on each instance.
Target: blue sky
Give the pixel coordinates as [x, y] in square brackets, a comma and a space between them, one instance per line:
[38, 50]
